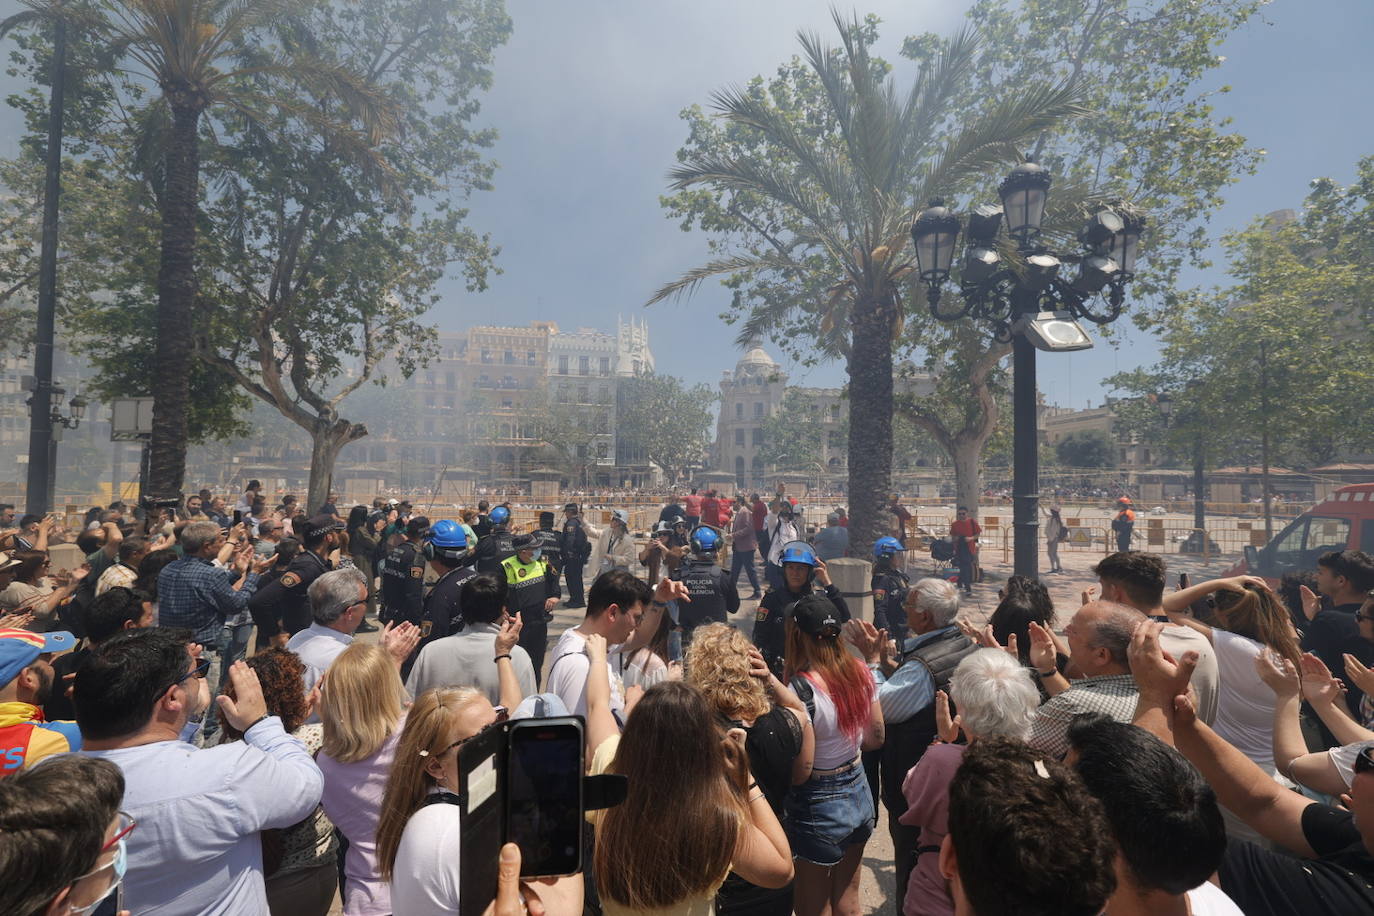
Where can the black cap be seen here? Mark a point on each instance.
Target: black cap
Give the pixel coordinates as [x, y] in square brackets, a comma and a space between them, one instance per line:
[546, 518]
[320, 525]
[571, 507]
[526, 542]
[417, 526]
[815, 615]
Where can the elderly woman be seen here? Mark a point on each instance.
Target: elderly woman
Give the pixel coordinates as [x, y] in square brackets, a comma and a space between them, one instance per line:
[996, 697]
[620, 546]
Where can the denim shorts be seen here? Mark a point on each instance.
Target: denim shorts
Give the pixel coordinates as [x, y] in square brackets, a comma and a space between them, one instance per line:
[828, 814]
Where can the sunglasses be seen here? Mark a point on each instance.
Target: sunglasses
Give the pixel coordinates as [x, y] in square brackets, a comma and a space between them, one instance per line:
[1361, 616]
[201, 669]
[502, 714]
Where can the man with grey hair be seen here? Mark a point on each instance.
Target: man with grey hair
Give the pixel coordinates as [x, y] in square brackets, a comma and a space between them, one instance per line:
[1099, 635]
[208, 587]
[906, 691]
[832, 541]
[338, 600]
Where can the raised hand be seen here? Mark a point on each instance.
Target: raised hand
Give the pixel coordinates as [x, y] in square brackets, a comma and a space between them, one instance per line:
[1311, 603]
[866, 638]
[1156, 674]
[822, 573]
[1319, 685]
[509, 635]
[1278, 673]
[400, 640]
[1358, 674]
[596, 648]
[946, 728]
[247, 705]
[1043, 654]
[671, 590]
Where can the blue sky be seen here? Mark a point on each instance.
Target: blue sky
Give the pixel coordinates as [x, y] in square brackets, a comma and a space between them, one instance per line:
[587, 95]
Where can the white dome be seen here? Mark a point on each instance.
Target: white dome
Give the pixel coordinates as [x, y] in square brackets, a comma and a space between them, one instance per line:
[755, 357]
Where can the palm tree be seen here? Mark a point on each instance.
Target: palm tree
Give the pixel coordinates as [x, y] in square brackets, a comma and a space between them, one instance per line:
[825, 199]
[204, 55]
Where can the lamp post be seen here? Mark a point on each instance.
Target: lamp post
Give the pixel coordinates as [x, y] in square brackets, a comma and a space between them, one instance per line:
[1027, 303]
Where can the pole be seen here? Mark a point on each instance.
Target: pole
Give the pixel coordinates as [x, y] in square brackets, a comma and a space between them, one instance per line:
[1026, 446]
[1199, 484]
[42, 447]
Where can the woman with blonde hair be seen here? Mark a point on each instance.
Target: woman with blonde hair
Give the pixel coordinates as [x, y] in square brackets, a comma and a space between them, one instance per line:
[830, 816]
[668, 847]
[362, 711]
[736, 681]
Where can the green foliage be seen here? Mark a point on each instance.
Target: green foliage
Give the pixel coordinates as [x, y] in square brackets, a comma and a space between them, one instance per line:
[1087, 449]
[794, 437]
[669, 421]
[1283, 354]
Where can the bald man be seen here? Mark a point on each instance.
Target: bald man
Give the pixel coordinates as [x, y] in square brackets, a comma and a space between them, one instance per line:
[1098, 636]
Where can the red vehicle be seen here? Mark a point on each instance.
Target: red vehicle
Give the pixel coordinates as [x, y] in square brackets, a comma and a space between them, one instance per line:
[1343, 521]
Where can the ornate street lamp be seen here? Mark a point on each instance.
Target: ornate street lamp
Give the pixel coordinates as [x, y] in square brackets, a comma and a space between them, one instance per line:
[1028, 303]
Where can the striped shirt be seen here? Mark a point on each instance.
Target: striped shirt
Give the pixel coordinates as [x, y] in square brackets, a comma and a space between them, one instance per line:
[1114, 695]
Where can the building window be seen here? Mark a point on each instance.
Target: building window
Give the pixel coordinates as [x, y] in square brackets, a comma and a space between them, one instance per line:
[758, 435]
[758, 409]
[739, 410]
[739, 467]
[603, 395]
[486, 356]
[531, 358]
[603, 424]
[584, 365]
[605, 365]
[739, 437]
[562, 394]
[582, 396]
[562, 365]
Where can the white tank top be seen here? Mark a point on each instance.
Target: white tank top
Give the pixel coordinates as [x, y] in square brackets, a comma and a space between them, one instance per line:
[833, 748]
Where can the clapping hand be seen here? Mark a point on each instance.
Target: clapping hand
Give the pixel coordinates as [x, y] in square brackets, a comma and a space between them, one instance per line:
[946, 728]
[866, 638]
[1156, 673]
[1358, 674]
[400, 639]
[1319, 685]
[1044, 654]
[1278, 673]
[671, 590]
[988, 640]
[1311, 603]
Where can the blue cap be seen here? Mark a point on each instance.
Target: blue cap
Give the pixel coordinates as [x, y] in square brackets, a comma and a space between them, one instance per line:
[886, 547]
[19, 648]
[448, 533]
[799, 552]
[704, 539]
[499, 515]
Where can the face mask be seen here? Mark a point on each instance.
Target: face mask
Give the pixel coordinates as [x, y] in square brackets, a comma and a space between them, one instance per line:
[539, 552]
[118, 866]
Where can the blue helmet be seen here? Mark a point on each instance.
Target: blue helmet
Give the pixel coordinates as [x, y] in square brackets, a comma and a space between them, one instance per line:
[499, 515]
[704, 539]
[799, 552]
[447, 533]
[885, 547]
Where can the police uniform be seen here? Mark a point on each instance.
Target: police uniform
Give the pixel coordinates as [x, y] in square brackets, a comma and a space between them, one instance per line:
[443, 611]
[769, 619]
[889, 591]
[530, 585]
[284, 598]
[403, 584]
[577, 549]
[713, 595]
[493, 550]
[551, 548]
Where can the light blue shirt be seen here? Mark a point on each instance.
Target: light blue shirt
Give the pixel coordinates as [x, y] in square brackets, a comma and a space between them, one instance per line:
[197, 848]
[831, 542]
[911, 688]
[318, 646]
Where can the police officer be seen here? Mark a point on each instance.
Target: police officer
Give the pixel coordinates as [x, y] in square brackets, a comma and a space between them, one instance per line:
[803, 574]
[284, 598]
[403, 576]
[551, 542]
[493, 549]
[577, 549]
[712, 596]
[446, 547]
[889, 586]
[533, 594]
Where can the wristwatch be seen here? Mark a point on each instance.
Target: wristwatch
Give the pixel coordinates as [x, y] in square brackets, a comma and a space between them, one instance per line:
[1040, 674]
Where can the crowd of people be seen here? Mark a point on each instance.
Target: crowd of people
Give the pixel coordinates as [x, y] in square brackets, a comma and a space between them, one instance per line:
[190, 724]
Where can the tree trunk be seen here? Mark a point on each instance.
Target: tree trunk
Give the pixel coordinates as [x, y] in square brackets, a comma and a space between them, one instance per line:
[176, 297]
[326, 441]
[870, 423]
[968, 485]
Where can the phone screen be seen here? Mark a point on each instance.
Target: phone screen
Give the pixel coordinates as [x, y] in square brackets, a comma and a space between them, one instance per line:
[544, 795]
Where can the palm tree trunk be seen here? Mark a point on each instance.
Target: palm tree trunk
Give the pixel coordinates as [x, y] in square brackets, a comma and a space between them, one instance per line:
[176, 297]
[870, 423]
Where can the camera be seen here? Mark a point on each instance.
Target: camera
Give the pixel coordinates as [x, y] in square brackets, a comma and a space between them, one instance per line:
[521, 781]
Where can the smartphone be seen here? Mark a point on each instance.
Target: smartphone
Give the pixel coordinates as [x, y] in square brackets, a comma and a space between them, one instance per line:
[544, 805]
[238, 516]
[1182, 581]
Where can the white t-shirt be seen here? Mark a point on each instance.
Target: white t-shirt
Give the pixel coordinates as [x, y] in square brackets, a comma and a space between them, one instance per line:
[1344, 759]
[833, 747]
[425, 880]
[1245, 704]
[568, 669]
[1209, 900]
[644, 669]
